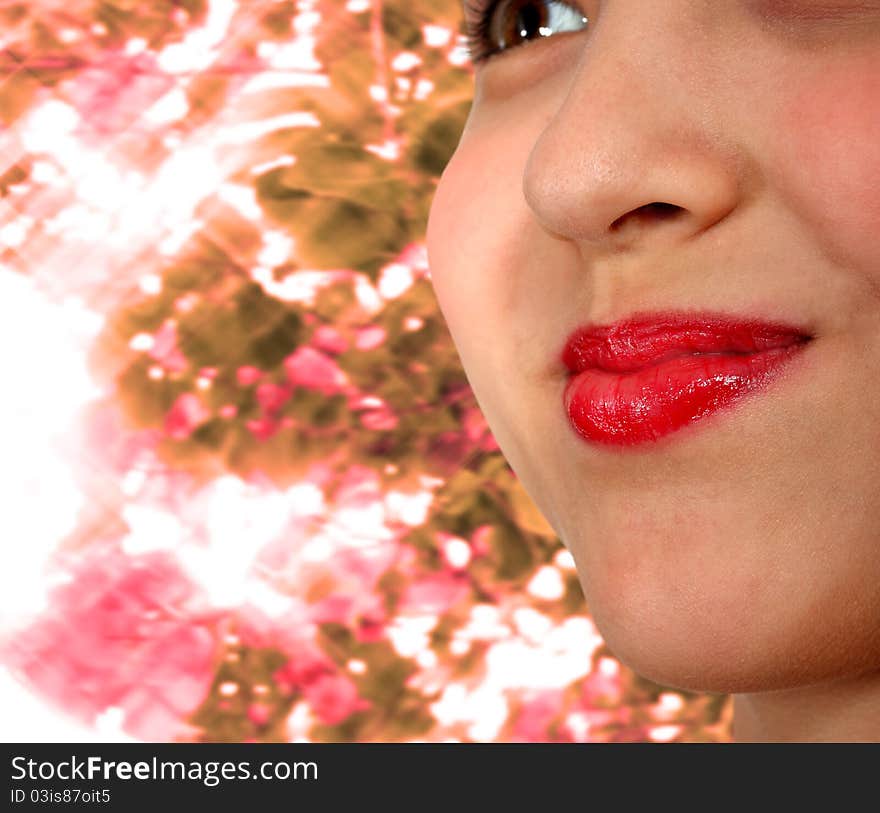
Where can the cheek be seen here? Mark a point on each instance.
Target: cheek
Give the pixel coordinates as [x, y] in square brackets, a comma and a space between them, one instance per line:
[473, 246]
[832, 144]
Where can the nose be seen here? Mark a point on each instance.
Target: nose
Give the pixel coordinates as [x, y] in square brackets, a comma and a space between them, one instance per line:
[633, 155]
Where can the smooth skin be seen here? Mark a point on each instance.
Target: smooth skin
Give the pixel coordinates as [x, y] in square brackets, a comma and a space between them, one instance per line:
[741, 554]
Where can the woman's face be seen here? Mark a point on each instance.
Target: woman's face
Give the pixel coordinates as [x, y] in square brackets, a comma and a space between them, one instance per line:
[740, 552]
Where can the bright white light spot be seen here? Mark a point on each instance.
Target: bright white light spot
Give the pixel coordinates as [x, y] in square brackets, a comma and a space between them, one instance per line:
[436, 36]
[516, 664]
[668, 705]
[283, 78]
[459, 646]
[412, 323]
[258, 593]
[459, 56]
[133, 481]
[141, 342]
[405, 61]
[178, 234]
[150, 530]
[281, 161]
[47, 126]
[277, 248]
[150, 284]
[306, 21]
[547, 584]
[228, 688]
[531, 624]
[486, 709]
[241, 198]
[564, 560]
[239, 520]
[367, 296]
[356, 666]
[389, 151]
[306, 499]
[135, 45]
[423, 89]
[609, 667]
[427, 659]
[409, 635]
[395, 280]
[299, 722]
[198, 48]
[484, 624]
[457, 552]
[45, 172]
[410, 509]
[298, 55]
[664, 733]
[14, 233]
[357, 6]
[173, 106]
[578, 723]
[44, 354]
[378, 93]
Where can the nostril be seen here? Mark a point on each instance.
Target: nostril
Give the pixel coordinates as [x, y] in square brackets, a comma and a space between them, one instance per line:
[648, 213]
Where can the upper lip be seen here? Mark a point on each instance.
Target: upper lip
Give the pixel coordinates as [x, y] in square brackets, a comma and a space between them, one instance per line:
[647, 339]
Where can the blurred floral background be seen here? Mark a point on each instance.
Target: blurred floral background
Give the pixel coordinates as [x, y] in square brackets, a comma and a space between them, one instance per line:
[247, 493]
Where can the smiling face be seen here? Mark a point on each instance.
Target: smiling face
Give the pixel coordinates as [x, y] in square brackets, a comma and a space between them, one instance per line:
[741, 552]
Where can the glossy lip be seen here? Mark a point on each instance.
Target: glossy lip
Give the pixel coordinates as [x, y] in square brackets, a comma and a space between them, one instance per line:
[640, 379]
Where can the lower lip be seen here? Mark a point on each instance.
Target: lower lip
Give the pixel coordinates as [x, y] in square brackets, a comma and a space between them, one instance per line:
[627, 409]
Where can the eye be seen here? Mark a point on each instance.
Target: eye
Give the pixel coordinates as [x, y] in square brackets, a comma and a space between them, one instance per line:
[498, 25]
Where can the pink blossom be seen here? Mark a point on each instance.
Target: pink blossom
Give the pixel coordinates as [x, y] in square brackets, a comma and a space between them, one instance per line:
[360, 487]
[380, 420]
[303, 669]
[113, 91]
[228, 411]
[187, 413]
[477, 430]
[369, 338]
[481, 540]
[248, 375]
[105, 440]
[330, 340]
[333, 698]
[535, 716]
[263, 428]
[165, 349]
[435, 593]
[312, 369]
[601, 686]
[415, 255]
[272, 397]
[361, 609]
[259, 713]
[121, 633]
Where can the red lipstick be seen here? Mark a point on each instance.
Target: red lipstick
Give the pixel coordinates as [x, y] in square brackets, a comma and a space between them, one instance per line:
[638, 380]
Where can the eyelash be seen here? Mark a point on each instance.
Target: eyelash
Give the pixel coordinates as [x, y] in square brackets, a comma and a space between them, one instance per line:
[478, 31]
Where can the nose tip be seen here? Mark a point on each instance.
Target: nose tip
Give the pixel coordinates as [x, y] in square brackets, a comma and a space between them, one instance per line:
[639, 193]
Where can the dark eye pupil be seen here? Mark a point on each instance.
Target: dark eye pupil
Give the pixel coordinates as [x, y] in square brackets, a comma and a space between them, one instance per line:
[524, 24]
[528, 19]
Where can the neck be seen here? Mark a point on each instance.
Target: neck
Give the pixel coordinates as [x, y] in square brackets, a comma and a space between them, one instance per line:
[843, 711]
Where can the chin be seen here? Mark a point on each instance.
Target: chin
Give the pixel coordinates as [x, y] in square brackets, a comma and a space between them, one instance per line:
[698, 640]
